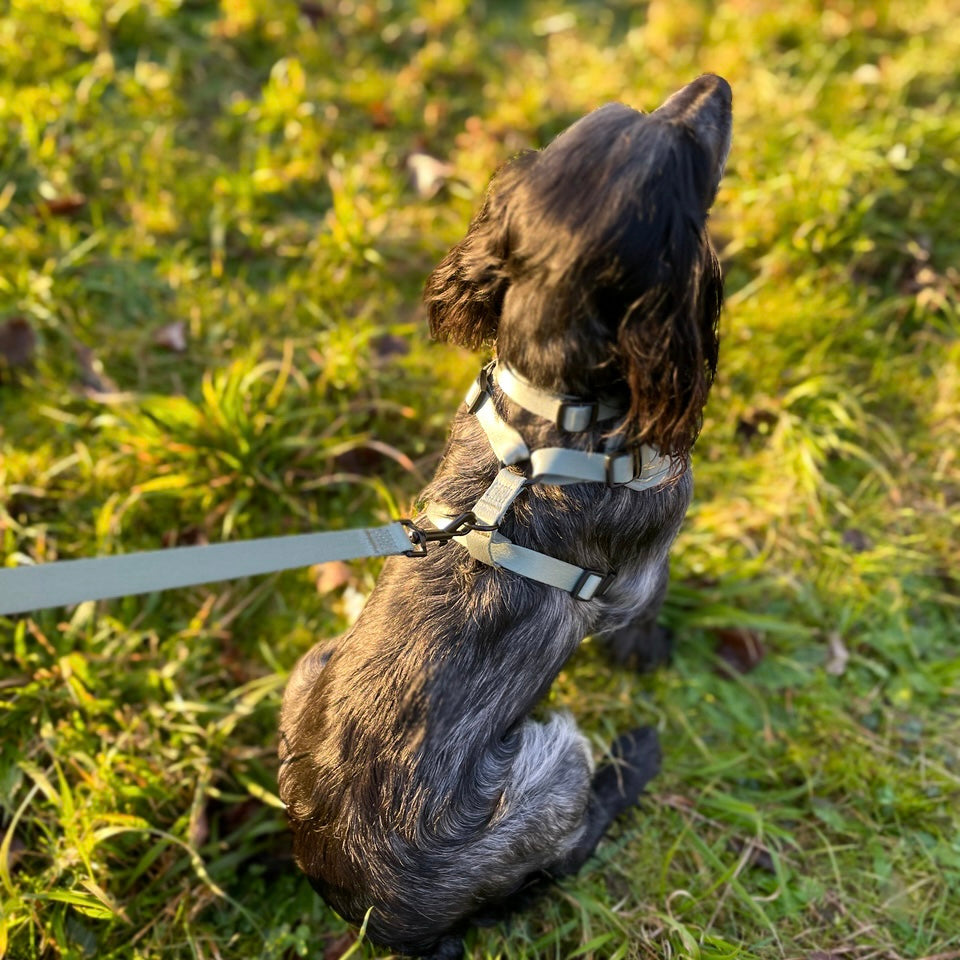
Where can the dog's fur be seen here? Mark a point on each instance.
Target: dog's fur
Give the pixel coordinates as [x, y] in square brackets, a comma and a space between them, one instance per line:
[415, 780]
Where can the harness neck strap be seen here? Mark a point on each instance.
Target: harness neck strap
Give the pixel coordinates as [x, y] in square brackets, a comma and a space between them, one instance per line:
[570, 414]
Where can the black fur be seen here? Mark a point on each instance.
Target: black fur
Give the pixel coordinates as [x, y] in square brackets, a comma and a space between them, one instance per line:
[415, 781]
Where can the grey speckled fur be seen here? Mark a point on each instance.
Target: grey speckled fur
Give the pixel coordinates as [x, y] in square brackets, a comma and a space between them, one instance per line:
[415, 780]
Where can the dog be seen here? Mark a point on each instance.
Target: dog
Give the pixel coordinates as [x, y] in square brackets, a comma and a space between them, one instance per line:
[420, 791]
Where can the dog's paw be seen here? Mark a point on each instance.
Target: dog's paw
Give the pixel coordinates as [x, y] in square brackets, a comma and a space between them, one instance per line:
[449, 948]
[635, 762]
[641, 646]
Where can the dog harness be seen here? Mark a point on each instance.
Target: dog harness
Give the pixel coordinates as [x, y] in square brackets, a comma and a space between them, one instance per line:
[638, 468]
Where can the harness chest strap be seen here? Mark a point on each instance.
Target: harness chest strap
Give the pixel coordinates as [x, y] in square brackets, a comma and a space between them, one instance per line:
[496, 550]
[556, 466]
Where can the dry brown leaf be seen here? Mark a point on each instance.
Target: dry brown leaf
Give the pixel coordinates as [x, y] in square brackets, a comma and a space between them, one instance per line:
[427, 173]
[92, 373]
[172, 336]
[837, 655]
[17, 342]
[330, 576]
[65, 205]
[337, 948]
[367, 457]
[380, 114]
[740, 650]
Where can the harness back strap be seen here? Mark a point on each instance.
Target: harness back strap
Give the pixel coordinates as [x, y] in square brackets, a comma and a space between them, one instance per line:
[495, 550]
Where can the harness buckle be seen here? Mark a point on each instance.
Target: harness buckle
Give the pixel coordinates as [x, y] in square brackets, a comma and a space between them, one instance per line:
[636, 455]
[581, 590]
[577, 408]
[458, 527]
[479, 389]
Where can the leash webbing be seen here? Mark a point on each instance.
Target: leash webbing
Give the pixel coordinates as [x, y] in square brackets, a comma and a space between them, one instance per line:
[66, 582]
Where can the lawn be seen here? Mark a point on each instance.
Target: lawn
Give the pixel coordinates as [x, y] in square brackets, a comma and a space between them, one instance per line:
[215, 222]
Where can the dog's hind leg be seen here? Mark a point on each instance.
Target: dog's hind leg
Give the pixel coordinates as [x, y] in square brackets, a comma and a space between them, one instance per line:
[449, 948]
[615, 787]
[642, 643]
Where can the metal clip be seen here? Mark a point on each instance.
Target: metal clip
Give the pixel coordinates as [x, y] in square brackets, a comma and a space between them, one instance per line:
[458, 527]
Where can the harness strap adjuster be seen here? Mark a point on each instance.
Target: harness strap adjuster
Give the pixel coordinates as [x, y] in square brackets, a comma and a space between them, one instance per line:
[479, 390]
[635, 456]
[592, 585]
[575, 416]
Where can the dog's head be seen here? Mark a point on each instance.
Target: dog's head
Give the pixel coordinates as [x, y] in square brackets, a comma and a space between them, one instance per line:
[590, 262]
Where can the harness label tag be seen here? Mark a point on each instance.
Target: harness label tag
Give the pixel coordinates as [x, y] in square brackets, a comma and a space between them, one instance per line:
[494, 504]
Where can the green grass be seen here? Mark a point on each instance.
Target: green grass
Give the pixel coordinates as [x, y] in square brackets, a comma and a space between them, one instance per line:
[240, 168]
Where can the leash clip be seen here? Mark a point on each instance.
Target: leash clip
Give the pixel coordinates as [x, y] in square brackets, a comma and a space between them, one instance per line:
[458, 527]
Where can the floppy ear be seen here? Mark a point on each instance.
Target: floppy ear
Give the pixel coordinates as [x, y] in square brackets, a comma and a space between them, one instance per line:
[668, 343]
[464, 294]
[704, 107]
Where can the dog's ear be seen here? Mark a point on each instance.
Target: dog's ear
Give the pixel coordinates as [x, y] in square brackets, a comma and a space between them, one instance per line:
[464, 294]
[704, 107]
[668, 344]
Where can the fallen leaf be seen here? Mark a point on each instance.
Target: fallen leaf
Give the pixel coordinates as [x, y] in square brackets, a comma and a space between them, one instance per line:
[337, 948]
[380, 115]
[17, 342]
[837, 655]
[172, 336]
[754, 422]
[856, 540]
[329, 576]
[757, 854]
[739, 650]
[388, 345]
[314, 12]
[367, 457]
[65, 205]
[92, 373]
[427, 173]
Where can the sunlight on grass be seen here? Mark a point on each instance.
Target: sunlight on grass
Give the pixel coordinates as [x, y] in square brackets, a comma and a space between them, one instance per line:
[209, 226]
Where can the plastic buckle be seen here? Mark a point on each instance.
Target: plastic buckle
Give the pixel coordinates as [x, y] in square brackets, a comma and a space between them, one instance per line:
[568, 406]
[601, 588]
[612, 459]
[479, 389]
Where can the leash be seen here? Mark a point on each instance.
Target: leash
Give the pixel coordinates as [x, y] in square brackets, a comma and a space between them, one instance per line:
[65, 582]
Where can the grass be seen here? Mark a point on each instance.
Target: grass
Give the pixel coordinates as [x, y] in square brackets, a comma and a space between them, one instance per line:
[240, 169]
